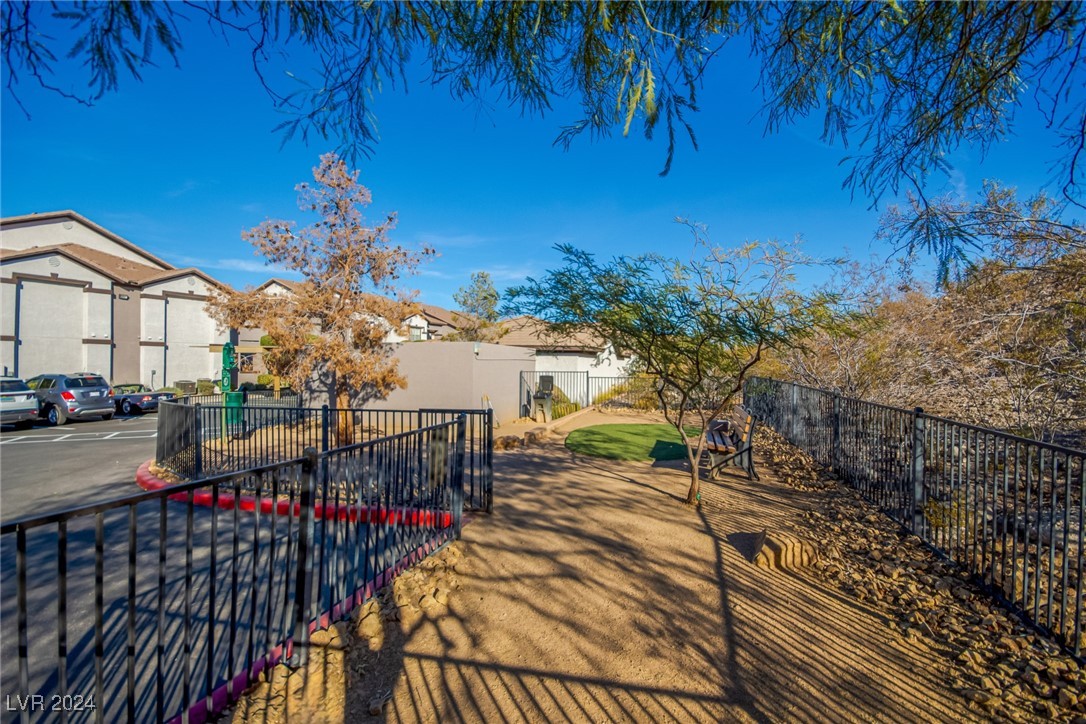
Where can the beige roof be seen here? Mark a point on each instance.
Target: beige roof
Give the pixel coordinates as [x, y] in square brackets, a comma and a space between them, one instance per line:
[441, 316]
[119, 269]
[531, 332]
[291, 285]
[69, 214]
[438, 316]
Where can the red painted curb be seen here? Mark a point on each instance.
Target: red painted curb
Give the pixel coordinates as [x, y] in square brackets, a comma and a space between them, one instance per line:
[403, 516]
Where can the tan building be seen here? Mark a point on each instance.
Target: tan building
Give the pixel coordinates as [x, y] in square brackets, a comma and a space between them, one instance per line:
[580, 352]
[77, 297]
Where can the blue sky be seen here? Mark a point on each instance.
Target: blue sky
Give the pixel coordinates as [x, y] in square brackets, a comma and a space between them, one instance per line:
[184, 161]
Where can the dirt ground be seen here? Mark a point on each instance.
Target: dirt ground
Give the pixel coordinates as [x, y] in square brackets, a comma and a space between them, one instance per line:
[594, 594]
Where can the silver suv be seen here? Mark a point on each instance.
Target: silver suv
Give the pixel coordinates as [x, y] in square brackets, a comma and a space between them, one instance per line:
[79, 395]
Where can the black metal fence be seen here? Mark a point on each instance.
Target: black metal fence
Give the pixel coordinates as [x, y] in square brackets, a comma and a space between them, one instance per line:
[196, 440]
[573, 391]
[1008, 509]
[168, 604]
[254, 398]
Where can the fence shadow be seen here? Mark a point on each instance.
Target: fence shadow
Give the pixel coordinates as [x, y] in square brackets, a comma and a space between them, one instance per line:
[594, 593]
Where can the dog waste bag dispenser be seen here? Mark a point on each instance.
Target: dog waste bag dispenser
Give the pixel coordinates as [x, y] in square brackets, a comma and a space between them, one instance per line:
[543, 399]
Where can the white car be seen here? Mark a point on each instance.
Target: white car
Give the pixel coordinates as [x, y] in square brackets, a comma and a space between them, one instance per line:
[18, 404]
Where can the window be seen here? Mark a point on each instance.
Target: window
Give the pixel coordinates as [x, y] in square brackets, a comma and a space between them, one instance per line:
[246, 361]
[88, 381]
[417, 333]
[13, 386]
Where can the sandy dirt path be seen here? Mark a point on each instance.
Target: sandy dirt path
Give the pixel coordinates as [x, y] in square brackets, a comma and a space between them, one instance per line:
[594, 594]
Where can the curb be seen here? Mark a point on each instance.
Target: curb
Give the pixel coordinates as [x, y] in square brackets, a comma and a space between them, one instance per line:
[555, 424]
[225, 500]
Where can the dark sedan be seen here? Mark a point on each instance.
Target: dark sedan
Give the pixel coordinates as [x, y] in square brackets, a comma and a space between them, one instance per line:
[133, 398]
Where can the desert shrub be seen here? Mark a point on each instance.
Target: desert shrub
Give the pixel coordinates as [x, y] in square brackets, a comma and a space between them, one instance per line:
[638, 393]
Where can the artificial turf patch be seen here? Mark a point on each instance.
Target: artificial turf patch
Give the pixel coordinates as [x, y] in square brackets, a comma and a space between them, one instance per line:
[629, 442]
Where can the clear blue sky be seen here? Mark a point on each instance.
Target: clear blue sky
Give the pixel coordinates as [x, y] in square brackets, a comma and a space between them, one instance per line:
[184, 161]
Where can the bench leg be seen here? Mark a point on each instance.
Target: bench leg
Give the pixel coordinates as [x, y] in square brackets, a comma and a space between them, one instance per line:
[748, 458]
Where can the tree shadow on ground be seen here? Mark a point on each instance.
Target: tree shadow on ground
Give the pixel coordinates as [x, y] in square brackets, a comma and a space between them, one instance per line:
[594, 593]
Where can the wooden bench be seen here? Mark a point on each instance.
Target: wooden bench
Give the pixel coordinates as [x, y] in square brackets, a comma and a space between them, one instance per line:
[727, 445]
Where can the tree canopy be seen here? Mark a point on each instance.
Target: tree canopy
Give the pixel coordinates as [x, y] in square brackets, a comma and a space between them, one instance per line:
[478, 305]
[902, 83]
[330, 328]
[697, 326]
[1001, 342]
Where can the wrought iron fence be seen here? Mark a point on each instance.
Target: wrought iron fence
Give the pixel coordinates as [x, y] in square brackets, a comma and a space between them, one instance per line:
[254, 398]
[197, 440]
[168, 604]
[1008, 509]
[572, 391]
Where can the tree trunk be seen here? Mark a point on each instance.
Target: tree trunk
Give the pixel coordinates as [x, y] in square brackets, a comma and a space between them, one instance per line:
[345, 421]
[693, 496]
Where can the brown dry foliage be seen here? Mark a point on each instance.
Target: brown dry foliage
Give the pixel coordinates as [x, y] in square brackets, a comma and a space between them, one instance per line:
[333, 325]
[1001, 345]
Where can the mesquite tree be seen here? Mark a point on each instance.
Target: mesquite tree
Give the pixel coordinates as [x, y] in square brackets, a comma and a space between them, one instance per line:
[697, 326]
[905, 83]
[330, 329]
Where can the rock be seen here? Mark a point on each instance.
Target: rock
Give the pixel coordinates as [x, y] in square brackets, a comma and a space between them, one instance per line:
[370, 626]
[377, 706]
[977, 695]
[1067, 699]
[428, 603]
[507, 442]
[441, 595]
[535, 437]
[783, 551]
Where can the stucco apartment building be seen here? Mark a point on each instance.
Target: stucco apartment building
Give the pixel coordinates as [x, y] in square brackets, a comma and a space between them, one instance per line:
[579, 352]
[78, 297]
[431, 323]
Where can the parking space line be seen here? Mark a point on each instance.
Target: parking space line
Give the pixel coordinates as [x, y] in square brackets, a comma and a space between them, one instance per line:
[83, 437]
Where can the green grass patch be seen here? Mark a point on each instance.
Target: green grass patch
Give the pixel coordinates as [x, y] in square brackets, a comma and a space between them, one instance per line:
[629, 442]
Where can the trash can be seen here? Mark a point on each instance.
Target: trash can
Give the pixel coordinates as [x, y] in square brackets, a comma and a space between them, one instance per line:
[235, 408]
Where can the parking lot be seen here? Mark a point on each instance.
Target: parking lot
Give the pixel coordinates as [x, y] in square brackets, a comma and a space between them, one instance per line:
[45, 469]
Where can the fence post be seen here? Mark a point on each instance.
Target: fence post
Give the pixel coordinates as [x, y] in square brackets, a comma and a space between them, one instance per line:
[836, 452]
[324, 428]
[488, 468]
[198, 462]
[917, 471]
[587, 388]
[303, 585]
[458, 476]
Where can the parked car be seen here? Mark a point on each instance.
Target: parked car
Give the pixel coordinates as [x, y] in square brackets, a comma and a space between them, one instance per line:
[78, 395]
[18, 403]
[132, 398]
